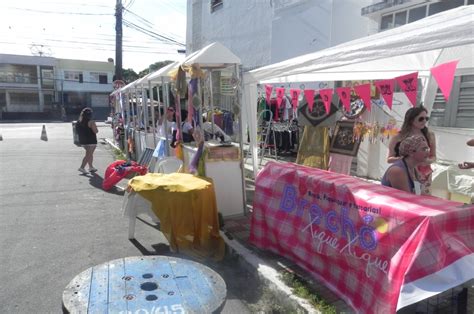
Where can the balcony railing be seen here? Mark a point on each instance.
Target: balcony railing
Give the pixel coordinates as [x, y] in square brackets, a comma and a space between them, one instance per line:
[382, 6]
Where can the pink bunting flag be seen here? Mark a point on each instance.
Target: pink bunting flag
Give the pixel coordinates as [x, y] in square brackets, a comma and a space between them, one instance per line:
[344, 94]
[444, 76]
[326, 96]
[268, 92]
[295, 94]
[386, 89]
[309, 94]
[409, 84]
[364, 93]
[280, 91]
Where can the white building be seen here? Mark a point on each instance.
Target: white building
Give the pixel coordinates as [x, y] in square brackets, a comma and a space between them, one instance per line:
[85, 84]
[268, 31]
[34, 87]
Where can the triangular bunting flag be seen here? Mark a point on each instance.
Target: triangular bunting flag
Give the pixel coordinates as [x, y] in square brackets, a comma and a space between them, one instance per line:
[386, 90]
[309, 94]
[444, 76]
[268, 92]
[344, 94]
[295, 94]
[280, 91]
[364, 93]
[326, 96]
[409, 85]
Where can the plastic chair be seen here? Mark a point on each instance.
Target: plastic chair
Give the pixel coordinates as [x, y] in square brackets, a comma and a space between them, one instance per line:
[134, 204]
[168, 165]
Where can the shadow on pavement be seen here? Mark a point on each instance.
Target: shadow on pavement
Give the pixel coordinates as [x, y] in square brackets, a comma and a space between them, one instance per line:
[96, 181]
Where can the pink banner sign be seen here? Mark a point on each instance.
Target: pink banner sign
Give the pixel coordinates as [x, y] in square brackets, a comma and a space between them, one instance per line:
[326, 96]
[309, 95]
[268, 92]
[444, 76]
[386, 90]
[280, 91]
[374, 246]
[295, 94]
[364, 93]
[344, 94]
[409, 85]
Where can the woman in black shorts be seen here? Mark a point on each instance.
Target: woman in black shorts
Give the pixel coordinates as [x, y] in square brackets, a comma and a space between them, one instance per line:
[87, 130]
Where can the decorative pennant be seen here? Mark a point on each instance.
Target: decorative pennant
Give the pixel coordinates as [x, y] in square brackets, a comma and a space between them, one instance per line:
[444, 76]
[309, 94]
[268, 92]
[364, 93]
[344, 94]
[295, 94]
[409, 84]
[386, 89]
[280, 91]
[326, 96]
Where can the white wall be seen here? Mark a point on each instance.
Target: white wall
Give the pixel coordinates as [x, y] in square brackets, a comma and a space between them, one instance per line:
[242, 26]
[267, 31]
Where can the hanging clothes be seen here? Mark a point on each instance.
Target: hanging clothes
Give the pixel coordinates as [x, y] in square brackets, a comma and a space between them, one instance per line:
[314, 148]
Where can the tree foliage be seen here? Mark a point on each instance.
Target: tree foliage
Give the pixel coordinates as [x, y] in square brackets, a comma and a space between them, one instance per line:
[153, 67]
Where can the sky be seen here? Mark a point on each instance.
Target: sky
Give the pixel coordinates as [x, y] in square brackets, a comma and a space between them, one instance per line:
[85, 30]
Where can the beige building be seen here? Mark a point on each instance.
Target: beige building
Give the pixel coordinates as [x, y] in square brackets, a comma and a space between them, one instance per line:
[34, 87]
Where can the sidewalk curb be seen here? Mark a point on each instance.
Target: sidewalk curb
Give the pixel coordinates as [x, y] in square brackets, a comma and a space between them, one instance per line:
[108, 141]
[270, 276]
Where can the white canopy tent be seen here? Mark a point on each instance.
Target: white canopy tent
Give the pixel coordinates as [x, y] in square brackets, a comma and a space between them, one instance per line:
[417, 46]
[214, 55]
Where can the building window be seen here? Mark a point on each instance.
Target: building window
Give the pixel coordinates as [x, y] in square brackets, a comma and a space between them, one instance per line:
[387, 22]
[441, 6]
[24, 98]
[22, 74]
[400, 18]
[47, 77]
[216, 4]
[73, 76]
[416, 14]
[459, 110]
[97, 77]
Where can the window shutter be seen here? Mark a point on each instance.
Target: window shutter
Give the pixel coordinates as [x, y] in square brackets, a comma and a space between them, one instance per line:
[437, 116]
[465, 112]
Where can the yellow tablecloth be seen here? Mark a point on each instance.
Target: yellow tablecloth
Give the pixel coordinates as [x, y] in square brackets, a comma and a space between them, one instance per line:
[187, 209]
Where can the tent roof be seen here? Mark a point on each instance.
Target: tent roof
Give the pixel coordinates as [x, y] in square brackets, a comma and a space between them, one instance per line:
[164, 72]
[417, 46]
[214, 55]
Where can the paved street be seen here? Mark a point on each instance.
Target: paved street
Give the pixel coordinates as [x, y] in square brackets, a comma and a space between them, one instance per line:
[55, 223]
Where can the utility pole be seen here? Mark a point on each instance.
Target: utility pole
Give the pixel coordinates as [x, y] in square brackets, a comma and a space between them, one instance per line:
[118, 40]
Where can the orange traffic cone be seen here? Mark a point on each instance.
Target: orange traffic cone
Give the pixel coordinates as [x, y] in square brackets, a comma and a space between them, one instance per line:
[44, 136]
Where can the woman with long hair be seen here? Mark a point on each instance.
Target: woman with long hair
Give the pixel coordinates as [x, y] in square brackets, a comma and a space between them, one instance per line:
[87, 130]
[415, 124]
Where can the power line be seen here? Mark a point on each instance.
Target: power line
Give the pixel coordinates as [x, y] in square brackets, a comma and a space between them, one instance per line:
[150, 33]
[57, 12]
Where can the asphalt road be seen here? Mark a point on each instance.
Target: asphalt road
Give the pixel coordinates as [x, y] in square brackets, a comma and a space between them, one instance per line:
[55, 222]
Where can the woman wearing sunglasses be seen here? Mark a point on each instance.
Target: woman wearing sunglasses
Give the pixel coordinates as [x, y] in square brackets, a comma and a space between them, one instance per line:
[415, 124]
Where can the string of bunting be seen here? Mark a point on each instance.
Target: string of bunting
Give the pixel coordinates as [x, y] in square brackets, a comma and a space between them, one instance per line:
[443, 74]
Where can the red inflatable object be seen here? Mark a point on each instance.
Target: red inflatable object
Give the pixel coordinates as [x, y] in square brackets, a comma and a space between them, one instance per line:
[118, 170]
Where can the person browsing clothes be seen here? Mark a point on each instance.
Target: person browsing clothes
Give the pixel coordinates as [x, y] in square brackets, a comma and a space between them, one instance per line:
[166, 131]
[415, 124]
[86, 130]
[401, 175]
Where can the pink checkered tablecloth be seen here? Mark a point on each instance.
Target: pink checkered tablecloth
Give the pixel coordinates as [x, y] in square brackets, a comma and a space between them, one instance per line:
[378, 248]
